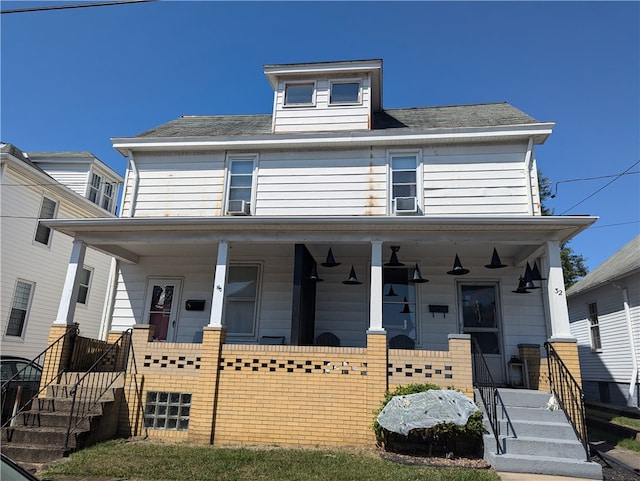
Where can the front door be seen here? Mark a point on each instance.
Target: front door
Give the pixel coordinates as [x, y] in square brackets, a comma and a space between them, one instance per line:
[480, 312]
[162, 307]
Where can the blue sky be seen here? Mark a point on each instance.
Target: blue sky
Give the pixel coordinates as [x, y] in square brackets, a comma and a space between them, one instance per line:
[72, 79]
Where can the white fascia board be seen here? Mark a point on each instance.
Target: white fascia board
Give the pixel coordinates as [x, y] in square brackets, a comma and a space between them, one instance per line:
[539, 132]
[273, 72]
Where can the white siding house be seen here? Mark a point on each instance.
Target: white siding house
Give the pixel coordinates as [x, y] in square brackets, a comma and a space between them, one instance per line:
[34, 258]
[604, 311]
[224, 219]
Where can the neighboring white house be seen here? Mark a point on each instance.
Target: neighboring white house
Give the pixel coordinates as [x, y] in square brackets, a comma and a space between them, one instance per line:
[226, 221]
[34, 258]
[604, 311]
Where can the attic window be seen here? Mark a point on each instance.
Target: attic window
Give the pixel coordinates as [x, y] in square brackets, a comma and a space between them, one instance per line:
[345, 93]
[299, 94]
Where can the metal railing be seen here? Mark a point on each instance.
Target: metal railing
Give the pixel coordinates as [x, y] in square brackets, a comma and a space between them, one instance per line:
[110, 363]
[483, 382]
[27, 383]
[569, 395]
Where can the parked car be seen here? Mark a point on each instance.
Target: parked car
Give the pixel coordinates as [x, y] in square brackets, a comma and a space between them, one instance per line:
[18, 374]
[10, 471]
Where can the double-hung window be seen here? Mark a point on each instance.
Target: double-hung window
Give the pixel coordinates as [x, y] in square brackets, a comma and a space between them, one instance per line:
[85, 283]
[107, 196]
[47, 211]
[242, 299]
[20, 305]
[594, 326]
[101, 192]
[94, 188]
[404, 182]
[240, 185]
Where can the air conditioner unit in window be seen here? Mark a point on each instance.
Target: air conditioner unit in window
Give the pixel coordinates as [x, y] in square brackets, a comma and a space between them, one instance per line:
[405, 205]
[238, 207]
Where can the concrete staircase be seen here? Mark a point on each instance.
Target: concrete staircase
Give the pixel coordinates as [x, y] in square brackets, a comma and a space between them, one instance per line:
[38, 436]
[536, 440]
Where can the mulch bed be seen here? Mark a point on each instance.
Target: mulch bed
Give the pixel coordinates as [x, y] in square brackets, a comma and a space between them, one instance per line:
[439, 462]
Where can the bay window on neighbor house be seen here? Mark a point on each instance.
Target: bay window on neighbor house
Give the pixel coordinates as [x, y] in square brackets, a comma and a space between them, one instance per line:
[241, 300]
[240, 185]
[85, 283]
[20, 305]
[404, 182]
[594, 327]
[299, 94]
[344, 93]
[48, 210]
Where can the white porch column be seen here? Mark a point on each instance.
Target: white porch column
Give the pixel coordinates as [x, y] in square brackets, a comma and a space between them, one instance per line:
[67, 307]
[557, 301]
[375, 309]
[219, 285]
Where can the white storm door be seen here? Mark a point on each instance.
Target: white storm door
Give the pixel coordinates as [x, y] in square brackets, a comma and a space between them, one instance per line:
[163, 306]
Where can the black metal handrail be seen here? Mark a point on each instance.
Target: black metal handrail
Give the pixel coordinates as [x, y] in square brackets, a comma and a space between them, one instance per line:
[26, 384]
[569, 395]
[92, 386]
[483, 382]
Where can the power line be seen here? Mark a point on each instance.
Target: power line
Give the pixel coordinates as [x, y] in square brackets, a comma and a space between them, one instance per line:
[589, 178]
[601, 188]
[615, 225]
[66, 7]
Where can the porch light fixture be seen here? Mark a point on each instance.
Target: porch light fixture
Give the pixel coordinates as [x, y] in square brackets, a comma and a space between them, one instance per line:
[528, 278]
[352, 280]
[391, 292]
[405, 309]
[393, 262]
[314, 273]
[495, 261]
[535, 273]
[458, 270]
[521, 287]
[331, 261]
[417, 276]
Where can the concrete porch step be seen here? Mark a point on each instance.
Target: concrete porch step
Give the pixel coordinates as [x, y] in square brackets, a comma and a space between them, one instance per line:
[31, 436]
[522, 463]
[65, 391]
[52, 420]
[537, 429]
[63, 405]
[548, 447]
[526, 398]
[34, 453]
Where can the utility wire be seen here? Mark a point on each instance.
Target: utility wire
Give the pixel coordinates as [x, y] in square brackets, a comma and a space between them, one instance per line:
[601, 188]
[555, 190]
[615, 225]
[66, 7]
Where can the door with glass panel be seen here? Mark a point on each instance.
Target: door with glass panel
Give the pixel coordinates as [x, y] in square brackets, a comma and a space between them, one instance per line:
[162, 307]
[480, 317]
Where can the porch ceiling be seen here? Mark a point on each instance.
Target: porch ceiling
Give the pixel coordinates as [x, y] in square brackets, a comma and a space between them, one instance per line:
[132, 238]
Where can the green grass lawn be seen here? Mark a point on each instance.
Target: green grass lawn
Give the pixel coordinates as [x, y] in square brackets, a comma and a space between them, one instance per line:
[149, 461]
[616, 418]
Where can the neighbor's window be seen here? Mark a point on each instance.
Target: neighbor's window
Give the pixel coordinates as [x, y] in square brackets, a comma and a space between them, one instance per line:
[345, 93]
[19, 308]
[594, 326]
[167, 410]
[47, 211]
[94, 188]
[299, 94]
[107, 196]
[85, 282]
[242, 299]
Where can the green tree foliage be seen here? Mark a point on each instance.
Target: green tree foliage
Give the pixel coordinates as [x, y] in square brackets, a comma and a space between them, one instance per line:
[573, 265]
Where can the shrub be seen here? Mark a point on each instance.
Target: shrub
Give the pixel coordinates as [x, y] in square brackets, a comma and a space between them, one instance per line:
[440, 440]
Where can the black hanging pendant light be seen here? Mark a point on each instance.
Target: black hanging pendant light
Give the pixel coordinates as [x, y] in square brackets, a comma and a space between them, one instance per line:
[391, 292]
[535, 273]
[331, 261]
[352, 280]
[314, 273]
[405, 309]
[495, 261]
[528, 278]
[393, 262]
[521, 287]
[417, 276]
[458, 270]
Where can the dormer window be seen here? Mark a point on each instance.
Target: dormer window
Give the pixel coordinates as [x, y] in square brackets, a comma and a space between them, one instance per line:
[296, 94]
[344, 93]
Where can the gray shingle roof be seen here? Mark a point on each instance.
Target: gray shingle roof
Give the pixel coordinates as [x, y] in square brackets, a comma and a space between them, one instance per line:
[623, 262]
[418, 118]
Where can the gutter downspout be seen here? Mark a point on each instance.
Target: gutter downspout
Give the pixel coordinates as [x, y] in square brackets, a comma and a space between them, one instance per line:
[110, 299]
[136, 182]
[528, 162]
[634, 358]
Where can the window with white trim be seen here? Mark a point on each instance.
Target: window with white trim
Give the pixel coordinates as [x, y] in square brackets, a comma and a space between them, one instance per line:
[94, 188]
[20, 305]
[85, 284]
[594, 326]
[48, 210]
[101, 192]
[242, 299]
[240, 185]
[299, 93]
[404, 182]
[107, 196]
[344, 93]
